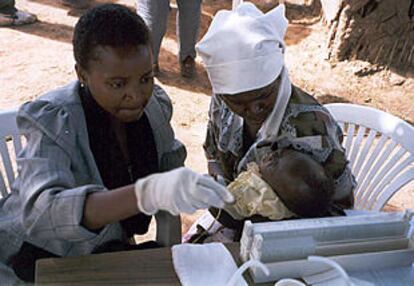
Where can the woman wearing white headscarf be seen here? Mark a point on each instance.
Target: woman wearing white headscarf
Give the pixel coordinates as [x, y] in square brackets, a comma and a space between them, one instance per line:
[254, 103]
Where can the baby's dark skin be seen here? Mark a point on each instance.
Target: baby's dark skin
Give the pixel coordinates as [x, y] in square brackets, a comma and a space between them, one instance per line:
[299, 181]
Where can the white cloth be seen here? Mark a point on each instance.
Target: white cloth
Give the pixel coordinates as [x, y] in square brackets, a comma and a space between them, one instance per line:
[243, 49]
[209, 264]
[179, 191]
[204, 264]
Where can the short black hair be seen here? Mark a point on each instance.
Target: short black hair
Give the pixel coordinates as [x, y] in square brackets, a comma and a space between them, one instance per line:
[316, 200]
[312, 198]
[111, 25]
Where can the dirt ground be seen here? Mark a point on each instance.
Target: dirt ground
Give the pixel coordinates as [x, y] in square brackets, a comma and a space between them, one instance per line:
[37, 58]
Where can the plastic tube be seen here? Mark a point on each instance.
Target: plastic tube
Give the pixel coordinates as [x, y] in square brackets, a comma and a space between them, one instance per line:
[239, 272]
[334, 265]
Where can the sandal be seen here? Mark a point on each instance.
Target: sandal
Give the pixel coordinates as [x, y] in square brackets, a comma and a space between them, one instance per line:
[188, 68]
[18, 19]
[24, 18]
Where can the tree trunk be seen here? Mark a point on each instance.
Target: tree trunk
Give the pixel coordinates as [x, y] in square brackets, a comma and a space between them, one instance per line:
[378, 31]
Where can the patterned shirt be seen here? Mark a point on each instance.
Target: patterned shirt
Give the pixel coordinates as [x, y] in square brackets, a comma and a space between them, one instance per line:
[306, 126]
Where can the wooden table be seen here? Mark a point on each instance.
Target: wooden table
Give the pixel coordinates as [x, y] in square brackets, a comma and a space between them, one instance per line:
[154, 267]
[145, 267]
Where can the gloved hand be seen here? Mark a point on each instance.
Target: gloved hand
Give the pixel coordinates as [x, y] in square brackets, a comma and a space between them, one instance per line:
[179, 191]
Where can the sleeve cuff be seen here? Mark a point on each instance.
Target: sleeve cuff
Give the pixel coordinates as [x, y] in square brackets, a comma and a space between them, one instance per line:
[67, 213]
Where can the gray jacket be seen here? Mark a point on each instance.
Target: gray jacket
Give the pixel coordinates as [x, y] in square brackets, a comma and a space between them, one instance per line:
[56, 170]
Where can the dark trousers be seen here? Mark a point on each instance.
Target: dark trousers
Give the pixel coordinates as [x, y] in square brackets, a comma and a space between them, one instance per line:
[7, 7]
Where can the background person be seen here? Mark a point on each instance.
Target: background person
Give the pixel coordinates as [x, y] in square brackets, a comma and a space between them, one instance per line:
[155, 14]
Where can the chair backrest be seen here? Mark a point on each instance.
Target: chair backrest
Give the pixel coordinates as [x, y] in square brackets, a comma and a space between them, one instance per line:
[9, 140]
[380, 150]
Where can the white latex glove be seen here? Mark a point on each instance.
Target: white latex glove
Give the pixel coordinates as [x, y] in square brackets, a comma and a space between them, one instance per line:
[179, 191]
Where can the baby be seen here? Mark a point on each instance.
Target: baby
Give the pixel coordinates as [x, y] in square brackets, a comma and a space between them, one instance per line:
[285, 184]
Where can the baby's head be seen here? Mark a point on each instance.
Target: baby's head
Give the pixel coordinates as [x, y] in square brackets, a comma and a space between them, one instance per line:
[298, 180]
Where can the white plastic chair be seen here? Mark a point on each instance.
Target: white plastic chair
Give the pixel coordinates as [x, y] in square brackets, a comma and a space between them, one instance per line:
[380, 149]
[168, 227]
[8, 132]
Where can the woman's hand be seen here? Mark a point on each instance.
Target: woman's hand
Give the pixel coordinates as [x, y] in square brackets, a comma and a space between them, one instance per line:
[179, 191]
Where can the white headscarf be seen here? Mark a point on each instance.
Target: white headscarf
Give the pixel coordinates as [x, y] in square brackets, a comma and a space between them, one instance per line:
[243, 50]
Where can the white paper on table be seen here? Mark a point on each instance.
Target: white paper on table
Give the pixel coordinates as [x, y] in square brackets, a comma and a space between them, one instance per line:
[204, 264]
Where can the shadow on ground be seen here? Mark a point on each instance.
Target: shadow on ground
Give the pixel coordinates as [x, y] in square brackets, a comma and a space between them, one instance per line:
[329, 98]
[53, 31]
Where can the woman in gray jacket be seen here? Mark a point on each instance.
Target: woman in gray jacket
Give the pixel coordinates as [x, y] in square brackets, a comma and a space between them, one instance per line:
[101, 156]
